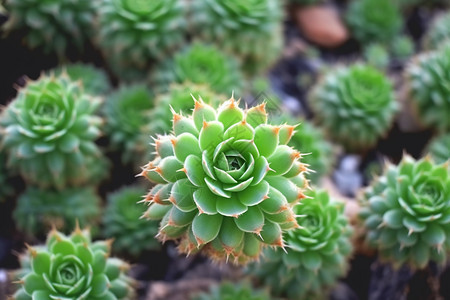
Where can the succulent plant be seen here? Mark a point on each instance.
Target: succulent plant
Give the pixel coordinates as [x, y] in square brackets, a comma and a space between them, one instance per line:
[406, 212]
[249, 29]
[127, 114]
[233, 291]
[439, 148]
[122, 222]
[94, 80]
[201, 64]
[49, 132]
[135, 33]
[72, 267]
[374, 20]
[377, 55]
[402, 47]
[317, 251]
[439, 32]
[53, 25]
[355, 105]
[226, 182]
[429, 79]
[38, 210]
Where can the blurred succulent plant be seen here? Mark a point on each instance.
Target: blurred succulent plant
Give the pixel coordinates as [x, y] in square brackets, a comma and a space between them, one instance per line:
[377, 55]
[439, 148]
[94, 80]
[38, 210]
[122, 222]
[215, 190]
[317, 251]
[406, 212]
[429, 80]
[201, 64]
[439, 32]
[53, 25]
[233, 291]
[250, 29]
[72, 267]
[127, 114]
[135, 33]
[402, 47]
[49, 133]
[355, 105]
[374, 20]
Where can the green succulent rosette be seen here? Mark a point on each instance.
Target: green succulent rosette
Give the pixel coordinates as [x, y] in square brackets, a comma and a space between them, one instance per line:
[428, 79]
[249, 29]
[377, 55]
[133, 34]
[374, 20]
[406, 212]
[38, 210]
[49, 133]
[94, 80]
[233, 291]
[201, 64]
[53, 25]
[226, 182]
[439, 148]
[72, 267]
[439, 32]
[318, 251]
[128, 114]
[122, 222]
[355, 105]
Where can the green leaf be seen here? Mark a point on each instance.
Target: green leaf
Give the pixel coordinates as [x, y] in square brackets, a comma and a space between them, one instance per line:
[157, 211]
[285, 134]
[203, 113]
[256, 115]
[420, 254]
[41, 263]
[171, 169]
[34, 282]
[252, 246]
[183, 124]
[223, 176]
[211, 135]
[42, 147]
[253, 195]
[261, 169]
[216, 188]
[55, 162]
[185, 145]
[231, 207]
[230, 235]
[271, 233]
[311, 260]
[434, 235]
[180, 218]
[99, 262]
[394, 218]
[39, 295]
[205, 201]
[413, 225]
[240, 131]
[181, 195]
[100, 285]
[275, 203]
[69, 143]
[230, 113]
[250, 221]
[239, 187]
[194, 170]
[63, 247]
[206, 227]
[266, 139]
[281, 160]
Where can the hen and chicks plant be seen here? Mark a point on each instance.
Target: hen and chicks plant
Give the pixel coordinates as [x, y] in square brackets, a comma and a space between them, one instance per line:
[226, 182]
[406, 212]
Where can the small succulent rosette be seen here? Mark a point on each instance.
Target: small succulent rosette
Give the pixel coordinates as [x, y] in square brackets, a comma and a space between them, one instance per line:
[406, 213]
[73, 267]
[226, 182]
[233, 291]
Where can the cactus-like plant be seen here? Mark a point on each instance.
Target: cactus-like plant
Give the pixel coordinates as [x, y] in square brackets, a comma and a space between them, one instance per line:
[250, 29]
[232, 291]
[135, 33]
[127, 115]
[94, 80]
[429, 79]
[439, 32]
[226, 182]
[122, 222]
[54, 25]
[439, 148]
[38, 210]
[406, 212]
[73, 267]
[377, 55]
[374, 20]
[201, 64]
[355, 105]
[49, 132]
[317, 251]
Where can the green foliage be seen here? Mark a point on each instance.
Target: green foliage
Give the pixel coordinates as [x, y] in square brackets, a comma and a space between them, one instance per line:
[49, 133]
[406, 212]
[439, 148]
[215, 191]
[377, 56]
[250, 29]
[429, 81]
[201, 64]
[72, 267]
[439, 32]
[355, 105]
[374, 20]
[94, 80]
[123, 223]
[233, 291]
[54, 25]
[317, 251]
[402, 47]
[135, 33]
[127, 114]
[38, 210]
